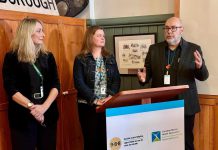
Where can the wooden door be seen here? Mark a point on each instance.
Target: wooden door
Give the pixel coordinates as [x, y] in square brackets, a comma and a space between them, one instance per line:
[69, 118]
[63, 38]
[7, 31]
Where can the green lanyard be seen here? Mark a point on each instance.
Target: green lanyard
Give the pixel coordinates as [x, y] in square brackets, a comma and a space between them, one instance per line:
[39, 73]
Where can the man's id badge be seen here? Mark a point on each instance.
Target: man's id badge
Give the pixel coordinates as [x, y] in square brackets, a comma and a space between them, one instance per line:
[166, 79]
[103, 90]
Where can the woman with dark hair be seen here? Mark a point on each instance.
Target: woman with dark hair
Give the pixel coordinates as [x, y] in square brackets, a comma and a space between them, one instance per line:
[97, 79]
[32, 85]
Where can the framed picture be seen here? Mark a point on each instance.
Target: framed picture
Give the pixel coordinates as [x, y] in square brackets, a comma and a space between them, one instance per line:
[131, 51]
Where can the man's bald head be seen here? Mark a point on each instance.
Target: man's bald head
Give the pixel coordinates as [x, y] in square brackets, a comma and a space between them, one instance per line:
[174, 20]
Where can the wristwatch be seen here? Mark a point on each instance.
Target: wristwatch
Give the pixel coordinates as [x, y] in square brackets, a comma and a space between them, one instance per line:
[30, 104]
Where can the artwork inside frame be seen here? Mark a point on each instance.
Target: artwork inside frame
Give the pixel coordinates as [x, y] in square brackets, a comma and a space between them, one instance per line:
[131, 51]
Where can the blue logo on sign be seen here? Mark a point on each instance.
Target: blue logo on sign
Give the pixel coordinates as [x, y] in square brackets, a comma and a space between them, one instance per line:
[156, 136]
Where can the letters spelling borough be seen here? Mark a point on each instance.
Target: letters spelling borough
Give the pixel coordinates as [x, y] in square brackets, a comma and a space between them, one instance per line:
[46, 4]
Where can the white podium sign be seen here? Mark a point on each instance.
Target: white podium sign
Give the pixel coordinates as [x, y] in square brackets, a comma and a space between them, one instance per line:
[146, 127]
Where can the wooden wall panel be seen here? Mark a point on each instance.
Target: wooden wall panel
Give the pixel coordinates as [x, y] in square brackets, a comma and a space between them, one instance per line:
[6, 34]
[5, 143]
[206, 129]
[71, 137]
[63, 37]
[177, 8]
[3, 51]
[143, 29]
[52, 42]
[71, 40]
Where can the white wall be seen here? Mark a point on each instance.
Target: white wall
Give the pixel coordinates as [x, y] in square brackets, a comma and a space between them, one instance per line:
[126, 8]
[200, 19]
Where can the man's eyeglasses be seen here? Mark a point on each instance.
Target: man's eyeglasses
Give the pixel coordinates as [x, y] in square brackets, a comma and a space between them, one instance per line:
[173, 28]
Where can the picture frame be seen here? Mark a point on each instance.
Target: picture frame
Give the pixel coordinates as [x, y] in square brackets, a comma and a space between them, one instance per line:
[131, 51]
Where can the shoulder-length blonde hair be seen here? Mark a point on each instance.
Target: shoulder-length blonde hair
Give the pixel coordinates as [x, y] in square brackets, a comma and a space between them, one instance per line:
[23, 44]
[88, 41]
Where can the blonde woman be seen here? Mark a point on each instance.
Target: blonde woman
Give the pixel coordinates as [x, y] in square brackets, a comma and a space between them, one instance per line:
[32, 85]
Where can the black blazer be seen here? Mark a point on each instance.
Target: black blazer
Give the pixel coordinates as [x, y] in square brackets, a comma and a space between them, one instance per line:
[186, 73]
[16, 77]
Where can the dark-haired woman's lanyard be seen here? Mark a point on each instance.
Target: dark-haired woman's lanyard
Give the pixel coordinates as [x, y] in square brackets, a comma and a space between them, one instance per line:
[41, 94]
[168, 66]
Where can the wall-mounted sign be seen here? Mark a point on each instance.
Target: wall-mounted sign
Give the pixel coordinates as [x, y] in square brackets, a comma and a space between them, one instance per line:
[33, 6]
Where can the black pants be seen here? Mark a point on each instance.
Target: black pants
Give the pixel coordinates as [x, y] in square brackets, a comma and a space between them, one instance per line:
[34, 136]
[189, 136]
[93, 127]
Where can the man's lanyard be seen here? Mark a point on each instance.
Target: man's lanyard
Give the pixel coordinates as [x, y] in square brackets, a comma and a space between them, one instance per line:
[39, 73]
[170, 61]
[168, 66]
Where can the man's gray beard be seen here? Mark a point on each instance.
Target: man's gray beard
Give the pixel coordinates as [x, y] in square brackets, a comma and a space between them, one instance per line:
[174, 41]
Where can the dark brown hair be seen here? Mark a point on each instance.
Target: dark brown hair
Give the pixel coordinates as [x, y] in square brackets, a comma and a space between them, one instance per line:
[88, 43]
